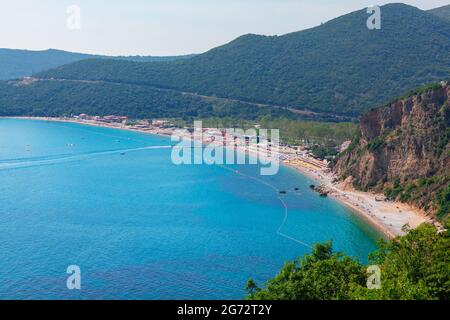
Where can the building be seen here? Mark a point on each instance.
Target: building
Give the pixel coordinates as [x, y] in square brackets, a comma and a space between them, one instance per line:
[113, 119]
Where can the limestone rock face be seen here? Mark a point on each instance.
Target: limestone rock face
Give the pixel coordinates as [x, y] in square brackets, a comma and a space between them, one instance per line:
[403, 145]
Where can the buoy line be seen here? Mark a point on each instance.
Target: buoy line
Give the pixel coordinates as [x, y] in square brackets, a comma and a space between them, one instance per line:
[286, 210]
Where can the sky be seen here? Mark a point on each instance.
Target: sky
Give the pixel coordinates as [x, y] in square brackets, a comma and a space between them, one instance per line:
[162, 27]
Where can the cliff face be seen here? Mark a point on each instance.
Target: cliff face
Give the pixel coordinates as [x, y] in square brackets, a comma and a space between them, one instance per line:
[403, 150]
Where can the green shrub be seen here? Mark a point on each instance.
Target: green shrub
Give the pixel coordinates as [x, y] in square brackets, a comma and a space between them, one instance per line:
[413, 267]
[376, 144]
[444, 203]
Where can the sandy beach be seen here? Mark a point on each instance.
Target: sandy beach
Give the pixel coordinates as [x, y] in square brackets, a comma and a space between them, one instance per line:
[388, 217]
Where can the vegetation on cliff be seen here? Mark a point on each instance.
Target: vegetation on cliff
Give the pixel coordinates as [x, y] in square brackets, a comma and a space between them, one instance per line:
[403, 150]
[415, 266]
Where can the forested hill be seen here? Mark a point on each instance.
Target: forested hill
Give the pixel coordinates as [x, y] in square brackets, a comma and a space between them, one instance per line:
[16, 64]
[443, 12]
[21, 63]
[340, 66]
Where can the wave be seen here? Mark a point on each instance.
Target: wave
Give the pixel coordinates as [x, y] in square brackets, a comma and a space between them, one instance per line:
[22, 163]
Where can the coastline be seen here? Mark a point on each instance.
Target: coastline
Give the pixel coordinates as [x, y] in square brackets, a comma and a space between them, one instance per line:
[386, 217]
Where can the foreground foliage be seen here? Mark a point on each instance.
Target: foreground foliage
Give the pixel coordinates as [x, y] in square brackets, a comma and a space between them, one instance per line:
[415, 266]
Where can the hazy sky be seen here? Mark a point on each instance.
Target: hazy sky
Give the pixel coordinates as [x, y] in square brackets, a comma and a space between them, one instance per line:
[163, 27]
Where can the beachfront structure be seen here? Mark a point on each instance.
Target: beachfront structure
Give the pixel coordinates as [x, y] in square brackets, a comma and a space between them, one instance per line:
[113, 119]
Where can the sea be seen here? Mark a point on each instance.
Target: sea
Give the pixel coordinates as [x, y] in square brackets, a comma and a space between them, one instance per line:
[137, 226]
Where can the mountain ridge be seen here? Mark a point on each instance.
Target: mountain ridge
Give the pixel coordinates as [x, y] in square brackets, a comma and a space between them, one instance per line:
[442, 12]
[340, 66]
[18, 63]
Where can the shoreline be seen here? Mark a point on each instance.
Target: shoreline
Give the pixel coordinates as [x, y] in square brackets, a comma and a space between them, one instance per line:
[386, 217]
[381, 228]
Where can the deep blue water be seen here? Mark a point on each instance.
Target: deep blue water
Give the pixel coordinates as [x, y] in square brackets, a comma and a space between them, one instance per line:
[140, 227]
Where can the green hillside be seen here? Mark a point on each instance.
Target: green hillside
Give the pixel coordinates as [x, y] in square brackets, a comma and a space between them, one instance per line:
[443, 12]
[63, 98]
[20, 63]
[339, 67]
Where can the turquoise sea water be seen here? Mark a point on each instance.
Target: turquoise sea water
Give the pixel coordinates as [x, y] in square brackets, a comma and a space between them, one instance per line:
[140, 227]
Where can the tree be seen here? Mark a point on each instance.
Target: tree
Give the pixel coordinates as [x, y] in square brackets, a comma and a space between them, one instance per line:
[416, 266]
[413, 267]
[251, 286]
[322, 275]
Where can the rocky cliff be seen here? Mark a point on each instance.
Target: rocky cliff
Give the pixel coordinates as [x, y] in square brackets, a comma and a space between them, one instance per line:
[403, 150]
